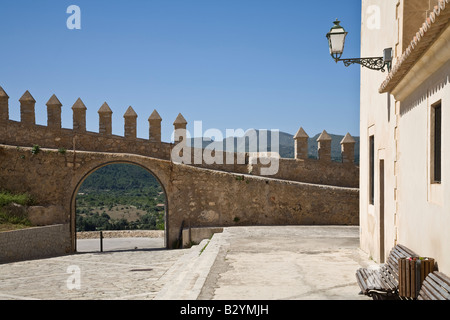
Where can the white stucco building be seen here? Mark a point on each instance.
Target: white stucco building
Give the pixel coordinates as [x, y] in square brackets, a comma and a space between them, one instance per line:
[405, 129]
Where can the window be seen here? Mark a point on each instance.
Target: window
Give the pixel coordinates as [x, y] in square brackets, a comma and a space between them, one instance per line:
[371, 169]
[436, 143]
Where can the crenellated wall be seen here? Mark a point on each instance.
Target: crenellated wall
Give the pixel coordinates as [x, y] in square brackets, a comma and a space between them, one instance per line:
[301, 192]
[200, 197]
[27, 133]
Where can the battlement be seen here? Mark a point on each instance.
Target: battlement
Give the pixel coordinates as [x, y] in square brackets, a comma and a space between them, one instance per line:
[230, 191]
[26, 133]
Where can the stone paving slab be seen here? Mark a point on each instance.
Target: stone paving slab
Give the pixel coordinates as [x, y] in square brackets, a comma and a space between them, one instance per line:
[242, 263]
[111, 275]
[287, 263]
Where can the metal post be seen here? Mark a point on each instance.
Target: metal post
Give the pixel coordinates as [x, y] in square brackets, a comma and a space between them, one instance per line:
[101, 241]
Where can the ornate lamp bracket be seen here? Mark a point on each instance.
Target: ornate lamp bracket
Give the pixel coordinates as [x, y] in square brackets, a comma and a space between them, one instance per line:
[371, 63]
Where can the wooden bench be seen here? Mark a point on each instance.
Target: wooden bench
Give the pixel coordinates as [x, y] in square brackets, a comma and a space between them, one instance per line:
[435, 287]
[383, 282]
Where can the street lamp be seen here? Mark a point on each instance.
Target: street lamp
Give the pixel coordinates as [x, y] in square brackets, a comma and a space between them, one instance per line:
[336, 41]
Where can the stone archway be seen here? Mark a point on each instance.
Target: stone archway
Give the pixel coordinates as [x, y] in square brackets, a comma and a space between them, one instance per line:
[105, 164]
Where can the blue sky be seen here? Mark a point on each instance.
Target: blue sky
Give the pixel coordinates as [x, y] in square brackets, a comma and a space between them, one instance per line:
[233, 64]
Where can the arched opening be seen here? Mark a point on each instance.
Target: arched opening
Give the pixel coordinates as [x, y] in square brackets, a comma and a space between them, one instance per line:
[119, 206]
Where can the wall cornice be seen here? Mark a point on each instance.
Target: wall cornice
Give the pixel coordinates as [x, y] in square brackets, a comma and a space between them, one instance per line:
[434, 58]
[420, 50]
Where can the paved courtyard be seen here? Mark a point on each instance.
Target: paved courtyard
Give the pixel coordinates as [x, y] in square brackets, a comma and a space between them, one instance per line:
[259, 263]
[287, 263]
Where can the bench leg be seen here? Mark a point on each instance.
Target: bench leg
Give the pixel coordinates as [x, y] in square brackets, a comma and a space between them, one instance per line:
[384, 296]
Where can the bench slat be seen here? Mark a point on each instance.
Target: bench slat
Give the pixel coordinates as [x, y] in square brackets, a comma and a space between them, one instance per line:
[435, 287]
[393, 283]
[432, 291]
[371, 280]
[385, 273]
[393, 272]
[374, 280]
[444, 280]
[439, 286]
[407, 251]
[380, 282]
[386, 278]
[361, 281]
[363, 277]
[426, 294]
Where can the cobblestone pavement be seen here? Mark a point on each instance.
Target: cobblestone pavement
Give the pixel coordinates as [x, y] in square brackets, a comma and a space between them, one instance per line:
[110, 275]
[271, 263]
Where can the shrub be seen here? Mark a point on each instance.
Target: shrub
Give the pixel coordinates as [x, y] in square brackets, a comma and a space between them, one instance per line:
[8, 198]
[12, 219]
[35, 149]
[11, 216]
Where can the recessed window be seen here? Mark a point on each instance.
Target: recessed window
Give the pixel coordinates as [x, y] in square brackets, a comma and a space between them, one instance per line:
[371, 170]
[436, 143]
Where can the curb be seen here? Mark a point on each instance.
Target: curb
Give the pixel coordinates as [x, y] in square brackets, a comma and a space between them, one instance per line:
[186, 278]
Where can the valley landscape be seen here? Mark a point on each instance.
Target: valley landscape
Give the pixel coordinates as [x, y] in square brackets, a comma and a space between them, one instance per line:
[127, 197]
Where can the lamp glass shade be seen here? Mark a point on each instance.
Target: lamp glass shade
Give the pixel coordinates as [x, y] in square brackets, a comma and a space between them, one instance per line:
[336, 40]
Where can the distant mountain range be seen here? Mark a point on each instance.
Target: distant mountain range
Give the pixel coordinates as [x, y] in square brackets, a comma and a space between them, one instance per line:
[286, 148]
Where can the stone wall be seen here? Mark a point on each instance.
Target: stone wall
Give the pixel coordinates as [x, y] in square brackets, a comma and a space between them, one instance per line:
[312, 171]
[35, 243]
[27, 133]
[214, 198]
[303, 170]
[192, 236]
[302, 192]
[121, 234]
[198, 197]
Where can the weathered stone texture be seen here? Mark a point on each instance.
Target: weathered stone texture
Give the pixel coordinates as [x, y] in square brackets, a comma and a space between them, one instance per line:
[27, 104]
[48, 241]
[313, 171]
[18, 134]
[79, 116]
[303, 170]
[4, 108]
[43, 216]
[203, 194]
[105, 120]
[114, 234]
[301, 144]
[154, 122]
[199, 197]
[324, 147]
[54, 113]
[348, 149]
[130, 118]
[179, 126]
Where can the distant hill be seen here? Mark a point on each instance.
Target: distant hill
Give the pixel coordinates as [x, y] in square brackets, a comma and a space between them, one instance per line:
[286, 145]
[120, 197]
